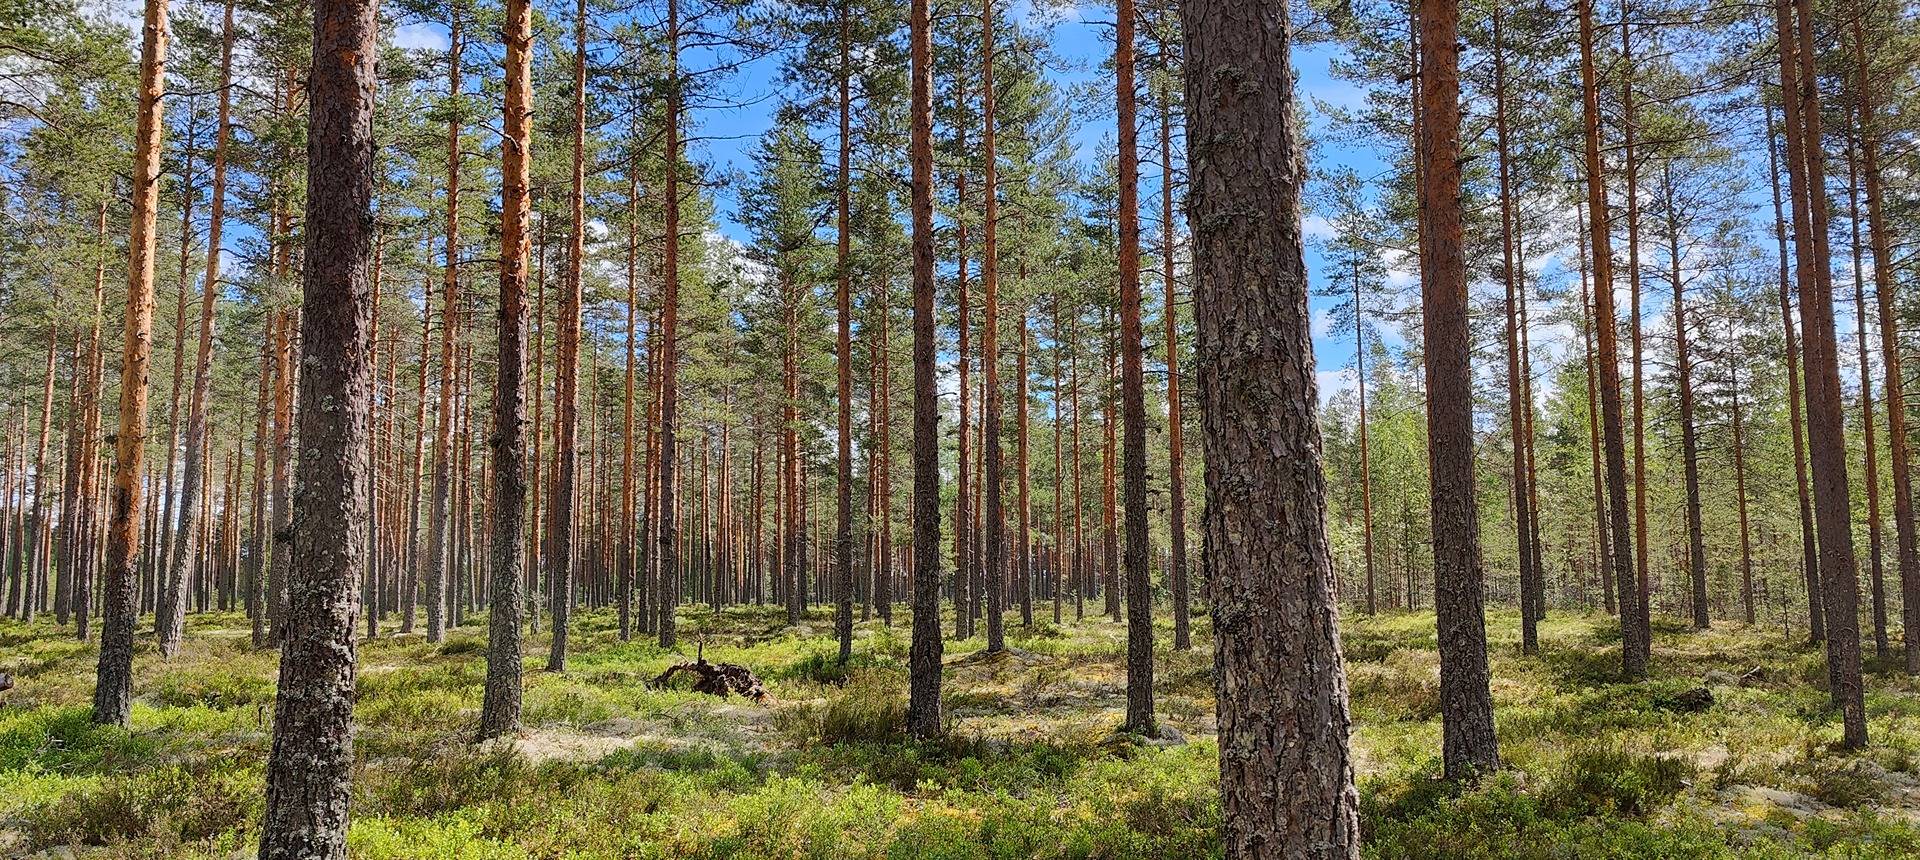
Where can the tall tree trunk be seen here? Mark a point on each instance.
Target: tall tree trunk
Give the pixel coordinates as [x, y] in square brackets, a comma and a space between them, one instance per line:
[1826, 431]
[1277, 664]
[164, 596]
[1880, 237]
[1516, 388]
[1133, 408]
[1024, 468]
[993, 475]
[843, 351]
[500, 706]
[1689, 436]
[1882, 648]
[923, 667]
[1176, 423]
[1465, 700]
[669, 590]
[1809, 545]
[626, 572]
[1639, 617]
[1633, 656]
[172, 599]
[437, 597]
[113, 687]
[963, 534]
[560, 531]
[308, 770]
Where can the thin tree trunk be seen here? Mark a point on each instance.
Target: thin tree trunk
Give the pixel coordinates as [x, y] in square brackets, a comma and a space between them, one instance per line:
[669, 592]
[1826, 432]
[500, 706]
[1809, 548]
[1879, 233]
[1516, 397]
[1633, 656]
[172, 599]
[923, 668]
[560, 531]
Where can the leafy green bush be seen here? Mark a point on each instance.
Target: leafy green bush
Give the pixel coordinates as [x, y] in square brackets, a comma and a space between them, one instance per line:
[1608, 781]
[869, 709]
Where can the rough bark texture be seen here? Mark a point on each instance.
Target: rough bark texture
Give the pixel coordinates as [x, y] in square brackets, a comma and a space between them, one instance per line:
[994, 553]
[1466, 703]
[170, 628]
[1826, 431]
[1286, 775]
[1133, 403]
[308, 770]
[923, 668]
[668, 592]
[559, 529]
[113, 688]
[500, 708]
[1612, 419]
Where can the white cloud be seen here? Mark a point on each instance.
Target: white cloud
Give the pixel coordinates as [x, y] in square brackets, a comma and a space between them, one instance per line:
[1330, 382]
[420, 36]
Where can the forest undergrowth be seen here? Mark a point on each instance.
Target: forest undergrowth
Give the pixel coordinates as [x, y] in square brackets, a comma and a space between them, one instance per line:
[610, 767]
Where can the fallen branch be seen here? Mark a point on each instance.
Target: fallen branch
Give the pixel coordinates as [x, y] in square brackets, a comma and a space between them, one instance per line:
[717, 679]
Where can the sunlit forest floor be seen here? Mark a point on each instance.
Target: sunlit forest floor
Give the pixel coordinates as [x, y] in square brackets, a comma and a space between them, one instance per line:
[610, 768]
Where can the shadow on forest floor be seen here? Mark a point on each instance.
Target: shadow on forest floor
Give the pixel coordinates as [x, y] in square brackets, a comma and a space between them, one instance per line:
[609, 767]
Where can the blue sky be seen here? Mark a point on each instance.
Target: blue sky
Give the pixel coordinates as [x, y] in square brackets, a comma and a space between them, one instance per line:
[1081, 37]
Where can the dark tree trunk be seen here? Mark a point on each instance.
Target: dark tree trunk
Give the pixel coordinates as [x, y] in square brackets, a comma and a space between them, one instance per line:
[1466, 702]
[1133, 408]
[994, 554]
[500, 708]
[1633, 657]
[1826, 431]
[1280, 678]
[308, 770]
[560, 527]
[923, 668]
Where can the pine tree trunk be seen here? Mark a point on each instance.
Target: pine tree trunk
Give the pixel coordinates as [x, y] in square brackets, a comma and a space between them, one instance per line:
[560, 528]
[1633, 655]
[1879, 233]
[1689, 435]
[1133, 408]
[308, 770]
[1465, 700]
[172, 600]
[1516, 397]
[1826, 433]
[669, 590]
[1809, 547]
[500, 706]
[113, 688]
[1277, 664]
[923, 668]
